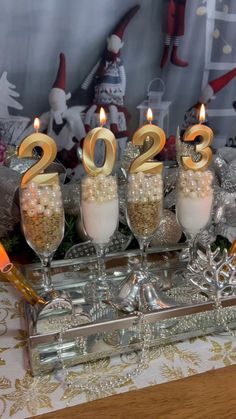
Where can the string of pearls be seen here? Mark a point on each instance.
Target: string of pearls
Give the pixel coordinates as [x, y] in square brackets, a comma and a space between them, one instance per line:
[100, 188]
[144, 187]
[120, 379]
[44, 200]
[195, 184]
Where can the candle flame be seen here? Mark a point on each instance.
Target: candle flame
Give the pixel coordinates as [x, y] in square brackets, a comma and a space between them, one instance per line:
[103, 117]
[202, 115]
[149, 115]
[36, 124]
[4, 259]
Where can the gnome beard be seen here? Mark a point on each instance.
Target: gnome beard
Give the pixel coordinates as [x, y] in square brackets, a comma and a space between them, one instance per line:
[57, 101]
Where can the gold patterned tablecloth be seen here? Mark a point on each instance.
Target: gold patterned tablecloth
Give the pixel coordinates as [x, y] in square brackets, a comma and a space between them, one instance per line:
[23, 396]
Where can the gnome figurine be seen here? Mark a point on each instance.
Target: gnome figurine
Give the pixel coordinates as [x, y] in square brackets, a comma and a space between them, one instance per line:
[174, 30]
[61, 123]
[109, 85]
[192, 115]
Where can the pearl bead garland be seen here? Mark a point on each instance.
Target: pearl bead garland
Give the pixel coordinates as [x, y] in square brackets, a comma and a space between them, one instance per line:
[100, 188]
[38, 199]
[195, 184]
[144, 187]
[104, 384]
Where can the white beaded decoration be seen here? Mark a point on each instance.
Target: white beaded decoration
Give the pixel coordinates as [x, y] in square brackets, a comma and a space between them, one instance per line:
[99, 188]
[41, 200]
[195, 184]
[145, 187]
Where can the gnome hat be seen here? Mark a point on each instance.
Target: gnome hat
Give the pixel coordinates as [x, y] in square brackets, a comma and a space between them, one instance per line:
[57, 96]
[123, 23]
[216, 85]
[60, 81]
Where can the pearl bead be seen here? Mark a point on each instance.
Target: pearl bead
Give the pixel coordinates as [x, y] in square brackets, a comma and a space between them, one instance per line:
[39, 209]
[25, 207]
[44, 200]
[58, 210]
[27, 194]
[48, 213]
[31, 212]
[32, 186]
[58, 204]
[56, 187]
[33, 203]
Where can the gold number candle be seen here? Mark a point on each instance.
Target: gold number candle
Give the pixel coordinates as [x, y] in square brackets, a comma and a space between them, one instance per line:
[49, 148]
[90, 140]
[203, 148]
[143, 162]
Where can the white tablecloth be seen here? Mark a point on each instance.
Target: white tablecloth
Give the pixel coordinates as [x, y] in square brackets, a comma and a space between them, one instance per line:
[23, 396]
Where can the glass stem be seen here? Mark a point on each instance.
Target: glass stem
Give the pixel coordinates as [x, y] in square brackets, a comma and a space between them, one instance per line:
[143, 245]
[46, 265]
[191, 246]
[101, 252]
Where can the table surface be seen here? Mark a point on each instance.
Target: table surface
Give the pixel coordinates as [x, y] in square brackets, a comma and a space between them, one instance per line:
[203, 396]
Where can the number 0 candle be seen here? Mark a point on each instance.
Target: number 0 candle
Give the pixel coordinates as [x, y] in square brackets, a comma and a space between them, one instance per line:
[90, 140]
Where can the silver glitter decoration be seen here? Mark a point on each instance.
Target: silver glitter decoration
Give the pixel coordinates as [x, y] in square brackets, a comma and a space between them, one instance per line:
[118, 243]
[220, 167]
[20, 165]
[9, 208]
[71, 198]
[229, 181]
[207, 236]
[185, 149]
[12, 127]
[130, 153]
[169, 189]
[225, 194]
[169, 231]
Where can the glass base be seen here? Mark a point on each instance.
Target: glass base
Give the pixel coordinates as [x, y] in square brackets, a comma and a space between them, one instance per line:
[98, 291]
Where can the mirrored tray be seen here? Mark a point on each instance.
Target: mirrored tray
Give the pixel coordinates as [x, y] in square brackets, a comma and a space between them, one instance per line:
[101, 330]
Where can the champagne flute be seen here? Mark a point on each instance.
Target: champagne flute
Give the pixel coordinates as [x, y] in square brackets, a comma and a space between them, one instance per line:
[42, 219]
[194, 204]
[143, 211]
[100, 213]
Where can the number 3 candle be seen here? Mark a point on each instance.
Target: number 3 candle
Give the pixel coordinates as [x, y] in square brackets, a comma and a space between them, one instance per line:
[203, 148]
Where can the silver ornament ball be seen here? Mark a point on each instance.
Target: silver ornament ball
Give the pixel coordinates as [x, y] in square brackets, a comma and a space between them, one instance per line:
[169, 231]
